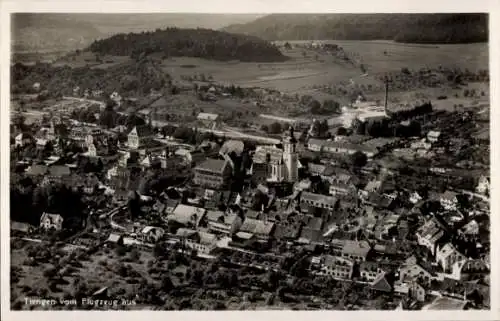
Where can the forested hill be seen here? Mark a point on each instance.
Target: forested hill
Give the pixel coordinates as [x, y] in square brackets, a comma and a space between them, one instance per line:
[411, 28]
[203, 43]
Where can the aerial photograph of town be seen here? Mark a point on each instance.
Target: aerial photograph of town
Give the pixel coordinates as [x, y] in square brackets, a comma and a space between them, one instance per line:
[172, 161]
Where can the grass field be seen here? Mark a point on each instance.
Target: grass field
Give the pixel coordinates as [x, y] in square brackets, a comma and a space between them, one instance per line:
[302, 73]
[308, 70]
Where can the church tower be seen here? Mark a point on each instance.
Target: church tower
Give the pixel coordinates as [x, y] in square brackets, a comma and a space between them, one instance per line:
[291, 157]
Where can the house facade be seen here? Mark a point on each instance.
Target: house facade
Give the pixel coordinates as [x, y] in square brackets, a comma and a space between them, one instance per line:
[448, 255]
[449, 200]
[51, 221]
[339, 189]
[336, 267]
[201, 242]
[152, 234]
[368, 271]
[429, 234]
[138, 136]
[483, 186]
[213, 173]
[318, 200]
[433, 136]
[332, 147]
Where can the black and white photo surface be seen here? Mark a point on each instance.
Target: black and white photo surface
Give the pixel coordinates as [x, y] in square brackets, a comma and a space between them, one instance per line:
[169, 161]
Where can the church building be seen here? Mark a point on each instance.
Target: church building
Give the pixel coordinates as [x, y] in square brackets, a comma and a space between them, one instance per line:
[273, 164]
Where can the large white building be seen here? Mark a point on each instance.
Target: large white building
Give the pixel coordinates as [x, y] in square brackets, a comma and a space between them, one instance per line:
[275, 164]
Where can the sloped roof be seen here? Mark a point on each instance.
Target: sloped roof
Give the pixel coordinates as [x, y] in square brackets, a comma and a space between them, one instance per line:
[381, 283]
[446, 303]
[289, 231]
[232, 145]
[311, 235]
[308, 196]
[315, 223]
[471, 228]
[207, 116]
[261, 152]
[37, 170]
[143, 131]
[59, 170]
[342, 145]
[51, 217]
[184, 213]
[316, 168]
[256, 226]
[360, 248]
[449, 195]
[113, 237]
[148, 229]
[372, 186]
[212, 165]
[18, 226]
[207, 238]
[214, 216]
[331, 260]
[185, 232]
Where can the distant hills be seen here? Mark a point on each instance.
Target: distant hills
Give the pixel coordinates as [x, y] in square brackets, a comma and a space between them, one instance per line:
[63, 31]
[202, 43]
[410, 28]
[50, 32]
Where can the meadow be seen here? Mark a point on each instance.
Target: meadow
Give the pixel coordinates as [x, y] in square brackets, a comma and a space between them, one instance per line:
[308, 71]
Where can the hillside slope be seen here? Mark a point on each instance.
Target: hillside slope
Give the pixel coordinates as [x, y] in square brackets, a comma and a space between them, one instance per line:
[50, 32]
[130, 79]
[202, 43]
[414, 28]
[64, 31]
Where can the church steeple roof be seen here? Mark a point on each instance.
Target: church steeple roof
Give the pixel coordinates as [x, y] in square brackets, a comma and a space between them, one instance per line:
[291, 136]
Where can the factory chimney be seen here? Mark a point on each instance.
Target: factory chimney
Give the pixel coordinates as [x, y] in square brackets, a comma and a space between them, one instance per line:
[386, 94]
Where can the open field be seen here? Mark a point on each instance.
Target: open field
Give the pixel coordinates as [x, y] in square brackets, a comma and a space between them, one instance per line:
[398, 55]
[307, 68]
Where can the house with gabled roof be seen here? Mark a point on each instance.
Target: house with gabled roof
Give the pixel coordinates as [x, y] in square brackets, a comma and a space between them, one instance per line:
[483, 185]
[317, 200]
[139, 136]
[418, 269]
[429, 235]
[51, 221]
[213, 173]
[187, 215]
[260, 229]
[336, 267]
[368, 270]
[200, 241]
[449, 200]
[37, 170]
[115, 238]
[433, 136]
[357, 251]
[312, 230]
[152, 234]
[469, 269]
[382, 283]
[447, 255]
[24, 139]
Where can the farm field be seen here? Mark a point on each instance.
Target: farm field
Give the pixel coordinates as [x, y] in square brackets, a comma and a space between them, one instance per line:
[301, 74]
[308, 70]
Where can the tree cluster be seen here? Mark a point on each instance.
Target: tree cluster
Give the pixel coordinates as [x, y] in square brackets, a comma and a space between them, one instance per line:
[202, 43]
[411, 28]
